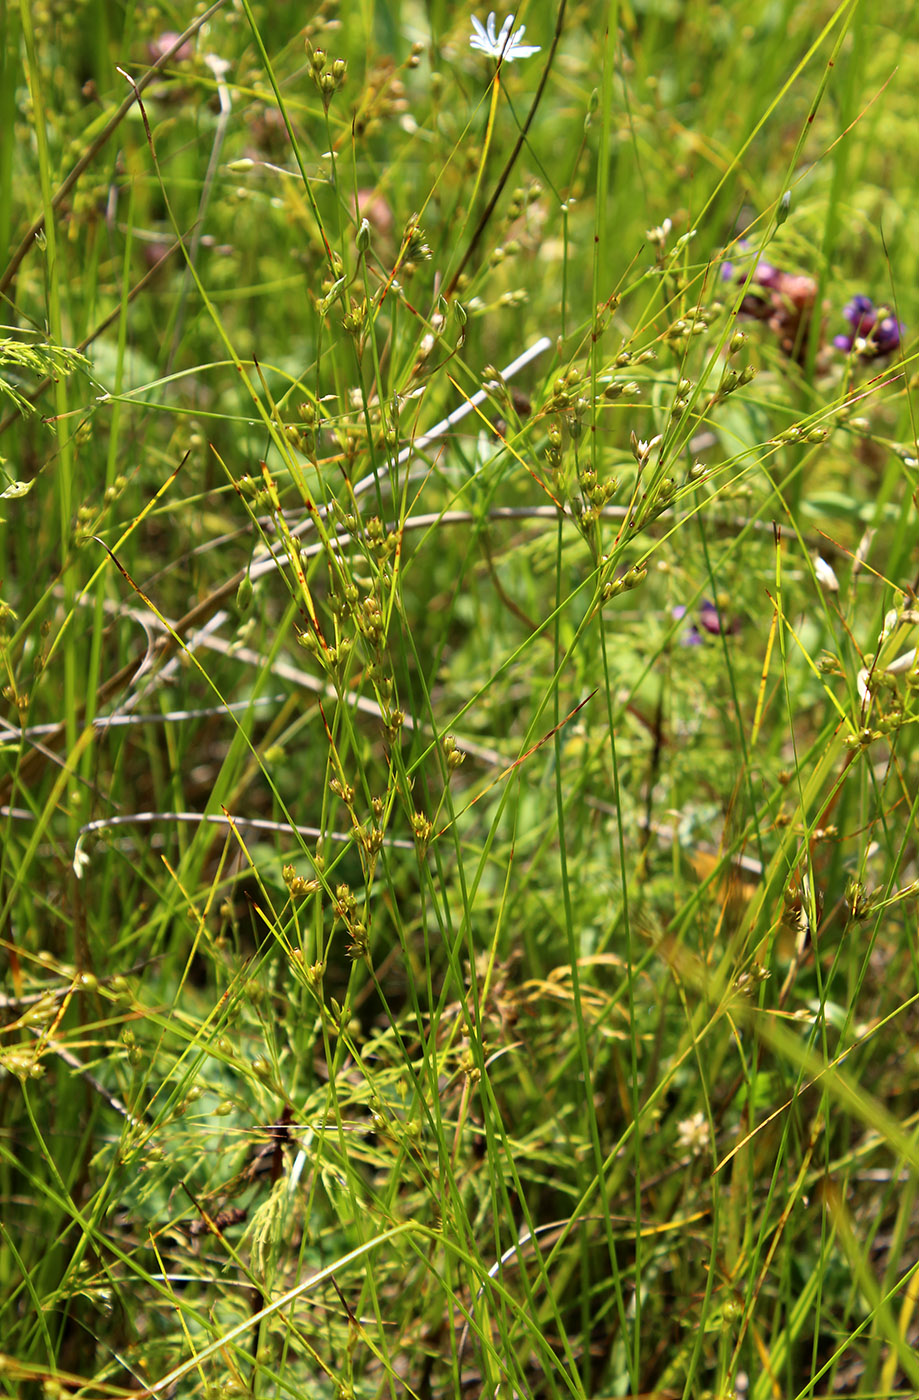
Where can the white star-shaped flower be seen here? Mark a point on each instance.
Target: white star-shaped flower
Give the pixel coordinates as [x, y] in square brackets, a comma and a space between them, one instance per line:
[643, 450]
[506, 46]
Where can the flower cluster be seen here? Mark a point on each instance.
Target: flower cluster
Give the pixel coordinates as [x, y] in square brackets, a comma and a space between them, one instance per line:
[787, 302]
[709, 619]
[874, 333]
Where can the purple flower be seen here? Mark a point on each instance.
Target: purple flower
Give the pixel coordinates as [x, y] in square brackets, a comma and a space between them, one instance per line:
[710, 618]
[785, 301]
[860, 313]
[887, 335]
[764, 274]
[691, 636]
[871, 336]
[729, 270]
[710, 621]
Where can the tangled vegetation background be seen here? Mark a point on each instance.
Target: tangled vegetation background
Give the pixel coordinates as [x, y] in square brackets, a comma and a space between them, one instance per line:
[458, 581]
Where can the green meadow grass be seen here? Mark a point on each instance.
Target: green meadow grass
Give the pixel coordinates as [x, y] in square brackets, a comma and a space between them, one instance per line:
[459, 862]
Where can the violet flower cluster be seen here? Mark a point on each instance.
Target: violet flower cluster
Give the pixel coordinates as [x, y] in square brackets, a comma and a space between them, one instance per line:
[872, 333]
[709, 619]
[787, 302]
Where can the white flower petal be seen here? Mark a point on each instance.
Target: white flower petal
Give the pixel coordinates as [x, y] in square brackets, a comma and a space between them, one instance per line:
[861, 685]
[80, 859]
[906, 662]
[825, 574]
[506, 45]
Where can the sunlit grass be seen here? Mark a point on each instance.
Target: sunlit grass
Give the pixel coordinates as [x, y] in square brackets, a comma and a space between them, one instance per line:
[459, 869]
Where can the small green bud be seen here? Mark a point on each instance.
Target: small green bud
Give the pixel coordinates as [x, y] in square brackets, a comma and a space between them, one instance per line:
[244, 594]
[631, 579]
